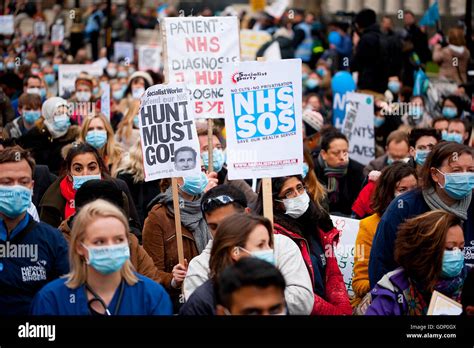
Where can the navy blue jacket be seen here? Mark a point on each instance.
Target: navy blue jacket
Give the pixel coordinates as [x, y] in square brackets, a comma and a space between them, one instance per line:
[403, 207]
[201, 302]
[21, 278]
[146, 297]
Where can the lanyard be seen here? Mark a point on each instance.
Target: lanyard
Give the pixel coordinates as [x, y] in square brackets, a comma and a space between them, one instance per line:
[101, 301]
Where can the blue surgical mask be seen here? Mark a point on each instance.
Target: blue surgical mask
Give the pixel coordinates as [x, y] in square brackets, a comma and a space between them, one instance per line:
[108, 259]
[378, 121]
[10, 65]
[95, 90]
[43, 93]
[78, 181]
[312, 83]
[56, 68]
[265, 255]
[14, 200]
[118, 94]
[456, 137]
[458, 185]
[305, 169]
[97, 138]
[31, 116]
[2, 66]
[195, 185]
[416, 112]
[304, 76]
[394, 86]
[420, 156]
[321, 72]
[453, 263]
[50, 79]
[122, 74]
[217, 159]
[136, 122]
[450, 112]
[61, 123]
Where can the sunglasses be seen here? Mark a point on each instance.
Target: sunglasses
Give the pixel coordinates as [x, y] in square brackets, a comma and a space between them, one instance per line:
[215, 202]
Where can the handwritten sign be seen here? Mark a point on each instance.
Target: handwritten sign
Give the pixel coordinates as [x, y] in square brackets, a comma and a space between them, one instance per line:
[195, 50]
[358, 127]
[345, 250]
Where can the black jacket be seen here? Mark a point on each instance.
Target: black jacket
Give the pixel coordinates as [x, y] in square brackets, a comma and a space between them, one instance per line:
[142, 193]
[349, 186]
[45, 149]
[43, 179]
[371, 60]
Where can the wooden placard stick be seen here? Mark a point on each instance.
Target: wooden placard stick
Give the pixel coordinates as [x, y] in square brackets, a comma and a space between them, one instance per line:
[210, 144]
[177, 220]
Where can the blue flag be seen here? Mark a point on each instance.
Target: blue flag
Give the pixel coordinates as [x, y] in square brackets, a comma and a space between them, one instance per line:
[421, 83]
[431, 16]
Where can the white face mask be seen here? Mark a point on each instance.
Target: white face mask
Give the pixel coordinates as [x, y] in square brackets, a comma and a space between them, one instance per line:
[34, 90]
[297, 206]
[83, 96]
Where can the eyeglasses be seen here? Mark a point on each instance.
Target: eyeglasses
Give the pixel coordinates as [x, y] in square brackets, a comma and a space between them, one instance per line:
[215, 202]
[292, 193]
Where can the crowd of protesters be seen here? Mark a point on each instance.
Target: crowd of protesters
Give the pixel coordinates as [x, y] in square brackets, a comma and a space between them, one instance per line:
[72, 183]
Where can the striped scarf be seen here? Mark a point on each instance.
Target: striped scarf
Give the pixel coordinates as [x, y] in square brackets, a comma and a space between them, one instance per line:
[333, 175]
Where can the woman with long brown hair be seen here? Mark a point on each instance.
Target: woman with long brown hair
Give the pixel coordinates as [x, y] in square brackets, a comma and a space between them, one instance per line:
[239, 235]
[429, 250]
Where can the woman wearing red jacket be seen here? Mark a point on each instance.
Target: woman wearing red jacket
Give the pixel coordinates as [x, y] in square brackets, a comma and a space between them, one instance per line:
[297, 217]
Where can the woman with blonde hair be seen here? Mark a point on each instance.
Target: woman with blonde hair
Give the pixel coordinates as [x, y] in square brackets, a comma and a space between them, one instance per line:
[98, 132]
[127, 130]
[132, 172]
[102, 280]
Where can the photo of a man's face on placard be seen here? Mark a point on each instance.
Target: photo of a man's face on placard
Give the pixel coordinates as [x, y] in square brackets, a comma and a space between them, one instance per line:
[185, 158]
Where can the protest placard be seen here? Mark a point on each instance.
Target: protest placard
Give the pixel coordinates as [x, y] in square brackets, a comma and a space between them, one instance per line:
[105, 99]
[358, 127]
[7, 26]
[251, 41]
[57, 34]
[39, 28]
[346, 249]
[169, 139]
[443, 305]
[149, 58]
[263, 118]
[68, 73]
[195, 48]
[123, 51]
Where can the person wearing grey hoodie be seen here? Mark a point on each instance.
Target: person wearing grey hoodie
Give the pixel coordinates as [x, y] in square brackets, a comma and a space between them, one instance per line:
[223, 201]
